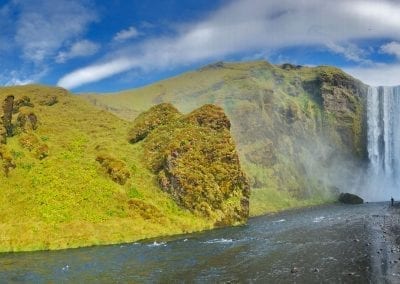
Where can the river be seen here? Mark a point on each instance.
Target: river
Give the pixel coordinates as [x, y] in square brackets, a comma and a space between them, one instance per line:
[330, 244]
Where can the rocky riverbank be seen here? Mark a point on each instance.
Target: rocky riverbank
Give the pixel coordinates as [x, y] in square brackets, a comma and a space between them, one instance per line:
[385, 244]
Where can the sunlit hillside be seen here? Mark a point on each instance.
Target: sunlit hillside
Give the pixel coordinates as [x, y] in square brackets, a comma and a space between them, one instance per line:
[70, 178]
[299, 130]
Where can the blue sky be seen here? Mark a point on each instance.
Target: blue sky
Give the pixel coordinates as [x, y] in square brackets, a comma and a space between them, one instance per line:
[106, 46]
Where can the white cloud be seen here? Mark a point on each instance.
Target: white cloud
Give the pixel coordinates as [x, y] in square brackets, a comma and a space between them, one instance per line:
[79, 49]
[392, 48]
[254, 25]
[129, 33]
[349, 51]
[377, 75]
[44, 26]
[20, 77]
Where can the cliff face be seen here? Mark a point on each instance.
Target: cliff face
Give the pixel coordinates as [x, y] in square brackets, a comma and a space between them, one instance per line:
[300, 131]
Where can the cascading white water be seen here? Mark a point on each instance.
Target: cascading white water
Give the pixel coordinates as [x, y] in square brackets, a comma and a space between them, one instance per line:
[383, 119]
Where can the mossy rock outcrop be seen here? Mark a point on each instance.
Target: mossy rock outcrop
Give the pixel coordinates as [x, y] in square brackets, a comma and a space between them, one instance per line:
[26, 119]
[196, 162]
[154, 117]
[116, 169]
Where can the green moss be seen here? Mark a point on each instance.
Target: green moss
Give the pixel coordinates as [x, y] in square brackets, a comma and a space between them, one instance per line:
[196, 162]
[154, 117]
[116, 169]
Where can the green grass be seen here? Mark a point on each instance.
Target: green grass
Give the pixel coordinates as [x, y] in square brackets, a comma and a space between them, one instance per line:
[67, 199]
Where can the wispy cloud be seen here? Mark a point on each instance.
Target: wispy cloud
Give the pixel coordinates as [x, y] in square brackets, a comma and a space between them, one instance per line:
[377, 74]
[126, 34]
[248, 25]
[78, 49]
[392, 48]
[44, 26]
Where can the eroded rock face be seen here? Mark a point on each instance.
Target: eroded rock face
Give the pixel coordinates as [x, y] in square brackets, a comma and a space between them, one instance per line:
[343, 97]
[197, 164]
[23, 102]
[26, 119]
[6, 117]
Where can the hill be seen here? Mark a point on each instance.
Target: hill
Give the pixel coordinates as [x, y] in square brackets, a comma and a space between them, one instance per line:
[69, 176]
[300, 131]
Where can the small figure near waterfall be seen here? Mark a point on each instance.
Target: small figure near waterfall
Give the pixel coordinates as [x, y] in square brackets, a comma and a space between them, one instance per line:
[392, 200]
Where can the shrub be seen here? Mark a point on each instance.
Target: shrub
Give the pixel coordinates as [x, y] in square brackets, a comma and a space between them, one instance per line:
[116, 169]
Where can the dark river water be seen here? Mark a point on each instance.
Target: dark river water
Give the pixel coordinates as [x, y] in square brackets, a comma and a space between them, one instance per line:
[324, 244]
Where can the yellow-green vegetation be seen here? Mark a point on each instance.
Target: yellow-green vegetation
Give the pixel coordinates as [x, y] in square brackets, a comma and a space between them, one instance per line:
[147, 121]
[299, 130]
[195, 160]
[70, 178]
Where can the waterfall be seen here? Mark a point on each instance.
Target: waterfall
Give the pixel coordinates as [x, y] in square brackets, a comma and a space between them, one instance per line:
[383, 121]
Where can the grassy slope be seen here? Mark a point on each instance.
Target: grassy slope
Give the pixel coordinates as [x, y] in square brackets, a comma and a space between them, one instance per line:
[276, 123]
[67, 199]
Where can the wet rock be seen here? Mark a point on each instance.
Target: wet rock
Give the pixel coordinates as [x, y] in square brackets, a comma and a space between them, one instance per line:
[349, 198]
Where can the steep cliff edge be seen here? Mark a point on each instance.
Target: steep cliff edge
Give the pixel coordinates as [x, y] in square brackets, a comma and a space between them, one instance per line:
[300, 130]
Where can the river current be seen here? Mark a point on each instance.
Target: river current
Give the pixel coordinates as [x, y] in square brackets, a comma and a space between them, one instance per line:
[322, 244]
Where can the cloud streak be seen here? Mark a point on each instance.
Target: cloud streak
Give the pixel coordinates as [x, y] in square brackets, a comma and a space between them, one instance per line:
[253, 25]
[129, 33]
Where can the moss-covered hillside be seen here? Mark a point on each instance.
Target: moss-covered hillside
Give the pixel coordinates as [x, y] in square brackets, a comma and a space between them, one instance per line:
[300, 130]
[69, 176]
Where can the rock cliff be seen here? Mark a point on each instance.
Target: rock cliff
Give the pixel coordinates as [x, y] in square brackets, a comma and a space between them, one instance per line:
[195, 160]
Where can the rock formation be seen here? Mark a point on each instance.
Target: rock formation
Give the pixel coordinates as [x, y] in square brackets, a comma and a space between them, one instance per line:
[196, 161]
[349, 198]
[6, 116]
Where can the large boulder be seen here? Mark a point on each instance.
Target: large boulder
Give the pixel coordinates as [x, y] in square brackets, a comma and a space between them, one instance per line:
[349, 198]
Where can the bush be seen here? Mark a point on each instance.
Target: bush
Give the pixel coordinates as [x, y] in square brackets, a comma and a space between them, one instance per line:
[116, 169]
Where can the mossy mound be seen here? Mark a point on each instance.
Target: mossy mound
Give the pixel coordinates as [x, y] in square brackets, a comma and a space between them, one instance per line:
[196, 162]
[154, 117]
[116, 169]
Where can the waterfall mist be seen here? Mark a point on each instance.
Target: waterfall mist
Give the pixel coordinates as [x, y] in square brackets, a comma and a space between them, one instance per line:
[383, 124]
